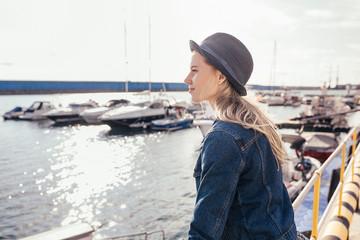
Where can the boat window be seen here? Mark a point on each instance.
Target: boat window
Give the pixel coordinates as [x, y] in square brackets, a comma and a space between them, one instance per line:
[156, 105]
[112, 103]
[40, 105]
[36, 105]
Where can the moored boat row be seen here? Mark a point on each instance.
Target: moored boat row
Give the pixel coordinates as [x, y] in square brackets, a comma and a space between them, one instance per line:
[161, 113]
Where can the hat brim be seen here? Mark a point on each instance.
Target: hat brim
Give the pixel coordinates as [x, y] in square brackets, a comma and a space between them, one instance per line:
[218, 65]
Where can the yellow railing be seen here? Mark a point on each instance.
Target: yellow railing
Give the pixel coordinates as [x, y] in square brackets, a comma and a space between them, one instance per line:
[316, 204]
[315, 181]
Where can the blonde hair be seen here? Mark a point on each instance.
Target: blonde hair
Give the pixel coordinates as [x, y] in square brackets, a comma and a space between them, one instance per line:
[231, 107]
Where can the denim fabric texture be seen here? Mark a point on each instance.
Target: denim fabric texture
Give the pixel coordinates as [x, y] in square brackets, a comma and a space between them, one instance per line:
[240, 191]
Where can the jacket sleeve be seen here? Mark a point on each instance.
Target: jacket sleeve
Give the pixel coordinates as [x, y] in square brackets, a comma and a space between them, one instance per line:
[221, 162]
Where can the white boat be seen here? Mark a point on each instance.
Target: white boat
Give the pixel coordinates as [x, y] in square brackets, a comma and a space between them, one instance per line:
[319, 145]
[326, 105]
[172, 123]
[83, 231]
[204, 124]
[79, 231]
[36, 110]
[70, 114]
[91, 116]
[306, 100]
[287, 98]
[351, 99]
[179, 120]
[277, 99]
[14, 113]
[325, 110]
[297, 172]
[204, 118]
[137, 115]
[292, 99]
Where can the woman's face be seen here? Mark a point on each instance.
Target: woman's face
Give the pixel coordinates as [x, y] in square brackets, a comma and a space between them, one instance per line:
[203, 79]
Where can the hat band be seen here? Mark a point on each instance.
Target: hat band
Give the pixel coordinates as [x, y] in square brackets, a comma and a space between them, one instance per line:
[220, 59]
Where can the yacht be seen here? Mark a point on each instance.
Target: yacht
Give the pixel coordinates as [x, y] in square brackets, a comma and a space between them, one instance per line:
[276, 99]
[36, 110]
[297, 172]
[204, 124]
[14, 113]
[325, 109]
[137, 115]
[91, 116]
[204, 119]
[71, 113]
[180, 120]
[319, 145]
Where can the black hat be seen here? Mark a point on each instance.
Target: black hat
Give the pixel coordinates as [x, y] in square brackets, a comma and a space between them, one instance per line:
[229, 56]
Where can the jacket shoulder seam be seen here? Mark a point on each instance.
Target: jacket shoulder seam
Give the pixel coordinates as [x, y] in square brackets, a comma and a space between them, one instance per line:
[257, 135]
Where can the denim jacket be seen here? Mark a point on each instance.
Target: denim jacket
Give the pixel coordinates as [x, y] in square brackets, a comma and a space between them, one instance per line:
[240, 190]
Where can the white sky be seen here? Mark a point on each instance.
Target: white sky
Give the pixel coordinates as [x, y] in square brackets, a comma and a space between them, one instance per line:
[84, 39]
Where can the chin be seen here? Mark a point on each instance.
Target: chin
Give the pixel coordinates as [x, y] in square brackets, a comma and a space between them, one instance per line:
[195, 100]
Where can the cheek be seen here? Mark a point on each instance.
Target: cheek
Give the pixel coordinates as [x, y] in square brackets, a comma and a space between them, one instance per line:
[209, 89]
[211, 84]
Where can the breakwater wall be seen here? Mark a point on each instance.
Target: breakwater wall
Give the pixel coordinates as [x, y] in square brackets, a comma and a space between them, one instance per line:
[13, 87]
[49, 87]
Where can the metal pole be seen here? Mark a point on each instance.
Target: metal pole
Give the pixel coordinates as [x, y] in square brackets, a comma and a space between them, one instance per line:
[342, 178]
[314, 233]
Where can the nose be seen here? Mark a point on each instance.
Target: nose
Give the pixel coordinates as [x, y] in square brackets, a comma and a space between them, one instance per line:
[188, 80]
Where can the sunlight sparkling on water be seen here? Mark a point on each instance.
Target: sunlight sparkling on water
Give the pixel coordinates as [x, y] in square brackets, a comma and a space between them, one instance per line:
[85, 168]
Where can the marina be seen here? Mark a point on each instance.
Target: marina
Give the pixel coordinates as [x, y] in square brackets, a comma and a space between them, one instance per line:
[99, 137]
[117, 181]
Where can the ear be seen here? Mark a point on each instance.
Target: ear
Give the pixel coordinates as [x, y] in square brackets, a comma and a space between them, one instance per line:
[221, 78]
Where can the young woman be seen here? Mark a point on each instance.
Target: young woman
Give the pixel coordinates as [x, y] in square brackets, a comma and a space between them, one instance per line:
[240, 191]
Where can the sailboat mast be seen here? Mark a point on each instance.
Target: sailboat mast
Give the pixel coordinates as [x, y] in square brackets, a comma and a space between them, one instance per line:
[337, 76]
[274, 78]
[149, 54]
[126, 60]
[330, 73]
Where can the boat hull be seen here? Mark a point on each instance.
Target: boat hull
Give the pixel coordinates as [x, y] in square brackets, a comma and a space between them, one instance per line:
[171, 124]
[62, 119]
[137, 122]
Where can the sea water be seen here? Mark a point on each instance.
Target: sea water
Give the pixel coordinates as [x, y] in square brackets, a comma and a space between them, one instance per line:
[118, 182]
